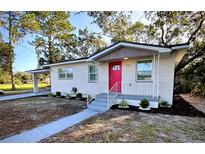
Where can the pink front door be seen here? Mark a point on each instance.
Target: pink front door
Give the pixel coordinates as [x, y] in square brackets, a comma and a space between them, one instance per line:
[115, 75]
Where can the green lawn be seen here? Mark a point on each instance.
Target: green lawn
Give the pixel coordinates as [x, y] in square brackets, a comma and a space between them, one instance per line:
[7, 87]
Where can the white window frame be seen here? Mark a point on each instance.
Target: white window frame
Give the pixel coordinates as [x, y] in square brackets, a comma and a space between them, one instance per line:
[96, 73]
[136, 70]
[66, 72]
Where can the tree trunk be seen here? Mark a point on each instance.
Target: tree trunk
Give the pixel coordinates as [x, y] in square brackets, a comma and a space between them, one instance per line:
[11, 53]
[50, 55]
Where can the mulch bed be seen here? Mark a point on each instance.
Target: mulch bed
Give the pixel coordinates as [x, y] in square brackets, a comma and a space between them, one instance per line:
[179, 107]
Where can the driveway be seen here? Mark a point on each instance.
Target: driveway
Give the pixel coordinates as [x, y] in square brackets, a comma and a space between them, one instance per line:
[26, 95]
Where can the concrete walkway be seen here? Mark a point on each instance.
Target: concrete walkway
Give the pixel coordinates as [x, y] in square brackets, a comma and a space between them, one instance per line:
[18, 96]
[42, 132]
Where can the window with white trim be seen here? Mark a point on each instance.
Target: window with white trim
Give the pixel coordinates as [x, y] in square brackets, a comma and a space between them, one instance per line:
[92, 73]
[144, 70]
[65, 73]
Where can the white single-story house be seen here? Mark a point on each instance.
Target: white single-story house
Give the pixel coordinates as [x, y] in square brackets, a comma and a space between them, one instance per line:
[124, 70]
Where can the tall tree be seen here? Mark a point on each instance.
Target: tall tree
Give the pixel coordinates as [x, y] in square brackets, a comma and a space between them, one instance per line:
[5, 50]
[54, 26]
[171, 27]
[17, 24]
[113, 24]
[83, 44]
[140, 32]
[89, 42]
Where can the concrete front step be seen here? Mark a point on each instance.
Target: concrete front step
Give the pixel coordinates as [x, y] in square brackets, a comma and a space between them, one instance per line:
[96, 103]
[100, 103]
[101, 100]
[97, 108]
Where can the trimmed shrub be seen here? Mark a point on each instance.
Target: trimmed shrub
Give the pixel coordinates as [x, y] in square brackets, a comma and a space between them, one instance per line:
[144, 103]
[58, 93]
[68, 95]
[51, 95]
[123, 104]
[164, 104]
[79, 95]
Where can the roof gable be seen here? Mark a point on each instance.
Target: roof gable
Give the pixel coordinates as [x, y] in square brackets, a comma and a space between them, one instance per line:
[132, 45]
[127, 52]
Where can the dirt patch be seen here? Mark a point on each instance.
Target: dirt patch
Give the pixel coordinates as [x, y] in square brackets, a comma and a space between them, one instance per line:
[198, 102]
[23, 114]
[184, 122]
[130, 126]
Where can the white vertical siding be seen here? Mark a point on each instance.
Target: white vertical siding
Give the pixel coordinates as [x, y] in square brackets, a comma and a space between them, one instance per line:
[80, 79]
[129, 83]
[166, 78]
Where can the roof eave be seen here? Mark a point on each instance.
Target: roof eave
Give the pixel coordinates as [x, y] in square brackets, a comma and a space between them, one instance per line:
[66, 62]
[180, 47]
[126, 44]
[39, 71]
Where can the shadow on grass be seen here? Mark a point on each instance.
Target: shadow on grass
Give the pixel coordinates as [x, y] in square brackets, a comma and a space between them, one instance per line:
[179, 107]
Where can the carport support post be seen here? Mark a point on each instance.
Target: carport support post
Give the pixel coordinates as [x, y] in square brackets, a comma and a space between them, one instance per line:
[35, 83]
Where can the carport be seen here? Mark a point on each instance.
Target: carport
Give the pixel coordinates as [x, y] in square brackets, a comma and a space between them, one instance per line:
[35, 77]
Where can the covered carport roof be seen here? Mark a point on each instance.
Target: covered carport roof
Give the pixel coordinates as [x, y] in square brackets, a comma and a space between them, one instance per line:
[35, 77]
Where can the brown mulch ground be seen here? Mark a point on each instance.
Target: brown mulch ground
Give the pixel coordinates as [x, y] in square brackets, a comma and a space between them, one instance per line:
[24, 114]
[184, 122]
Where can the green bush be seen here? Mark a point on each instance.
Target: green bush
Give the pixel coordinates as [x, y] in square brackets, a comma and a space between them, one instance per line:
[164, 104]
[79, 95]
[18, 81]
[51, 95]
[58, 93]
[89, 98]
[144, 103]
[68, 95]
[199, 90]
[123, 104]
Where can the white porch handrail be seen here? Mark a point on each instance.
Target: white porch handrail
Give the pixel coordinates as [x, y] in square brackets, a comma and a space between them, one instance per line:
[112, 94]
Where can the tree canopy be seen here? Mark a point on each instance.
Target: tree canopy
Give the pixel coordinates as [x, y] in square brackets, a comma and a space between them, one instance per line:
[53, 27]
[115, 25]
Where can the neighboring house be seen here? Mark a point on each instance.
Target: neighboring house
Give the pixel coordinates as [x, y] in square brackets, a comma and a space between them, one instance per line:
[128, 70]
